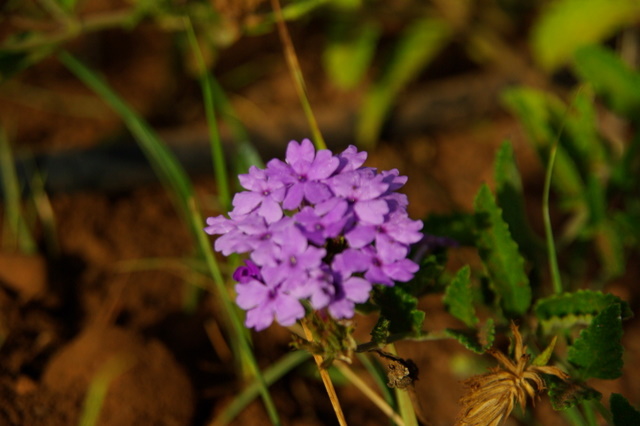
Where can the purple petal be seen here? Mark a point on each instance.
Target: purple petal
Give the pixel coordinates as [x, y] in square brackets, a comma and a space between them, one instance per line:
[245, 202]
[402, 270]
[219, 225]
[294, 197]
[377, 275]
[371, 211]
[270, 210]
[259, 317]
[351, 159]
[316, 192]
[357, 289]
[342, 308]
[350, 261]
[390, 250]
[323, 165]
[251, 294]
[304, 151]
[288, 310]
[361, 235]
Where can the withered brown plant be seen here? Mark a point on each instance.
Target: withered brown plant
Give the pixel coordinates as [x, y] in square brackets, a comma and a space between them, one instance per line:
[490, 397]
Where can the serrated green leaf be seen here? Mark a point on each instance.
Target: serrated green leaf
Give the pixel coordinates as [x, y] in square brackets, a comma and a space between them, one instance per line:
[500, 255]
[597, 352]
[349, 52]
[611, 78]
[459, 299]
[510, 198]
[399, 311]
[624, 414]
[478, 340]
[581, 302]
[566, 394]
[569, 24]
[419, 44]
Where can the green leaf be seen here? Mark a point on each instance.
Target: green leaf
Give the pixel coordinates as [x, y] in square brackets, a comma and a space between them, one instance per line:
[500, 255]
[350, 51]
[459, 299]
[427, 279]
[587, 147]
[478, 340]
[611, 78]
[609, 244]
[510, 198]
[597, 352]
[419, 44]
[564, 395]
[567, 25]
[457, 226]
[399, 312]
[581, 302]
[624, 414]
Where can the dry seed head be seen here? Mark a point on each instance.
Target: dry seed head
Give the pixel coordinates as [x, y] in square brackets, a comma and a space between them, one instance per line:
[490, 397]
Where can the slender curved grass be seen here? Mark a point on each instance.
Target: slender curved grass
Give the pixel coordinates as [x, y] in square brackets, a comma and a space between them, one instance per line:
[219, 164]
[175, 179]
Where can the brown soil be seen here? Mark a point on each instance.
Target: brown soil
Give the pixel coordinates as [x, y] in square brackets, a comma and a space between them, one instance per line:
[96, 307]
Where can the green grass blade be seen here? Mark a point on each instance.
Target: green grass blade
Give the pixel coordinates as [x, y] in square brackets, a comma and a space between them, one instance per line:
[271, 375]
[99, 387]
[15, 222]
[217, 154]
[246, 155]
[296, 75]
[420, 43]
[173, 176]
[548, 228]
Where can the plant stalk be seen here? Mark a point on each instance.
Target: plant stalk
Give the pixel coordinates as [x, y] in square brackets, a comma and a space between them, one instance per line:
[548, 230]
[377, 400]
[328, 384]
[296, 74]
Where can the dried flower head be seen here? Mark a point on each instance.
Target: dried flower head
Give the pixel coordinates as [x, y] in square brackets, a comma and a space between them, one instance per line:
[490, 398]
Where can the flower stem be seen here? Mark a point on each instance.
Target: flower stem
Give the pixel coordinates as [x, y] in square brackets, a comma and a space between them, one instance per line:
[548, 230]
[405, 404]
[296, 74]
[370, 393]
[328, 384]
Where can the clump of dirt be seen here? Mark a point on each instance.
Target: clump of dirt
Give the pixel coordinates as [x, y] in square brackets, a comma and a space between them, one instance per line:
[151, 388]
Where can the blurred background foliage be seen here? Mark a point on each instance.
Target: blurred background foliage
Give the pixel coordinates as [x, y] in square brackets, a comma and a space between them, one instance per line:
[376, 71]
[369, 57]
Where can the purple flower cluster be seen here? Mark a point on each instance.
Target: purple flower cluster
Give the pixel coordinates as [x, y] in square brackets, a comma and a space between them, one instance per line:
[319, 227]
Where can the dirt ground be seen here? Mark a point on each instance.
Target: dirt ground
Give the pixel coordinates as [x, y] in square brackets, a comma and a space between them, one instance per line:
[111, 301]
